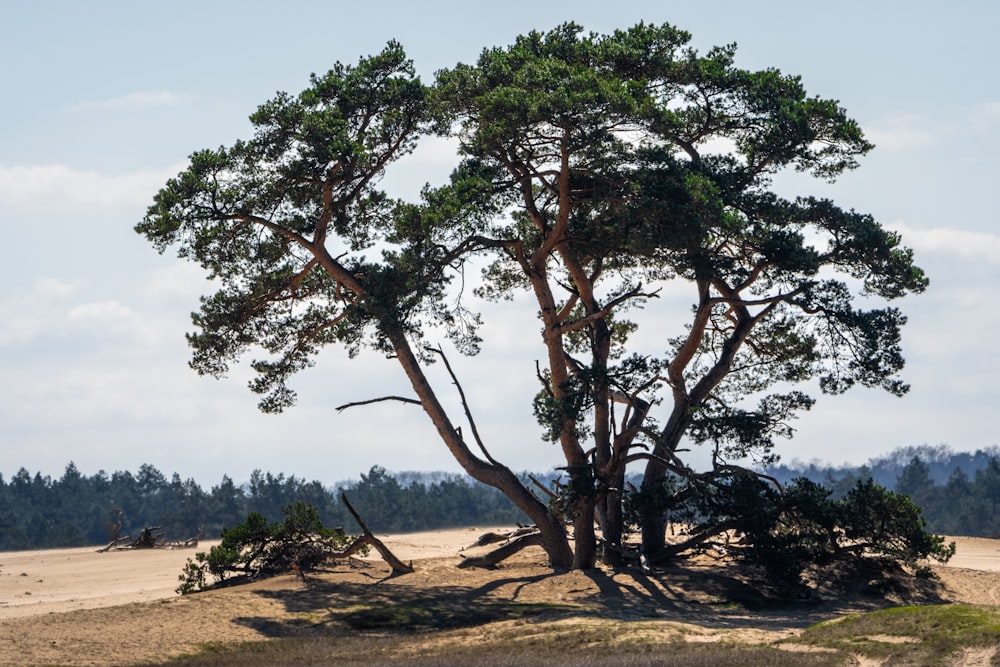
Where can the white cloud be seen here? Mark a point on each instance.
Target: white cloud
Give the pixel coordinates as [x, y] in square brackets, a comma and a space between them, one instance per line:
[48, 188]
[53, 288]
[181, 280]
[53, 310]
[26, 315]
[431, 162]
[130, 102]
[101, 311]
[902, 133]
[986, 116]
[971, 245]
[115, 318]
[88, 393]
[18, 327]
[914, 131]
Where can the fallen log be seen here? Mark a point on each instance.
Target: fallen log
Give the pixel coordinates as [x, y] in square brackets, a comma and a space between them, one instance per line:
[491, 559]
[493, 538]
[150, 537]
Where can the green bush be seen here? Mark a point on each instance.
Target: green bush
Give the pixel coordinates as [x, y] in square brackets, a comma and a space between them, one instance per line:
[257, 548]
[785, 530]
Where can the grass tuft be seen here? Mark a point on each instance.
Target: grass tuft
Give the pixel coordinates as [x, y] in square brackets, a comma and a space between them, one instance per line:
[924, 635]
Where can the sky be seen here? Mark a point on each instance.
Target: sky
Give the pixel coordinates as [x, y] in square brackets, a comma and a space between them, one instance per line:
[102, 102]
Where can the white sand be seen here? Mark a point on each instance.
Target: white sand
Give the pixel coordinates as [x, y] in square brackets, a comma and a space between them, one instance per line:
[57, 580]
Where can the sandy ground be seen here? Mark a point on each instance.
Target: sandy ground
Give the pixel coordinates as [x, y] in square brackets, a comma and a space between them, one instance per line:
[976, 553]
[80, 607]
[61, 580]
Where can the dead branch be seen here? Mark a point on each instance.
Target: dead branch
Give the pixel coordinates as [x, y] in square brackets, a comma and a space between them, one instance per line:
[542, 488]
[356, 546]
[401, 399]
[493, 538]
[465, 404]
[491, 559]
[702, 536]
[150, 537]
[487, 539]
[398, 566]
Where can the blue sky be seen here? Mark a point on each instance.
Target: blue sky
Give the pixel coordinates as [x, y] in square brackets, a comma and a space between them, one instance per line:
[103, 101]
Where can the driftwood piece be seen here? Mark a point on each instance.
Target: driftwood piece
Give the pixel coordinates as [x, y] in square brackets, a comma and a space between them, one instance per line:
[491, 559]
[114, 543]
[493, 538]
[488, 538]
[398, 566]
[150, 537]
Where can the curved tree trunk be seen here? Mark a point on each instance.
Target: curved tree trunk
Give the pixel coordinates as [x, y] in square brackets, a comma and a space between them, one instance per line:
[685, 401]
[611, 511]
[654, 524]
[398, 566]
[554, 538]
[553, 533]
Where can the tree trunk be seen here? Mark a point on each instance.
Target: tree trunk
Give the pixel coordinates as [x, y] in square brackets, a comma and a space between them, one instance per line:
[553, 533]
[654, 533]
[612, 522]
[654, 523]
[554, 540]
[584, 537]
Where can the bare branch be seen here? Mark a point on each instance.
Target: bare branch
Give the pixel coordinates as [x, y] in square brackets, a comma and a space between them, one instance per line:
[401, 399]
[731, 468]
[267, 224]
[465, 404]
[666, 463]
[603, 313]
[542, 488]
[398, 566]
[671, 550]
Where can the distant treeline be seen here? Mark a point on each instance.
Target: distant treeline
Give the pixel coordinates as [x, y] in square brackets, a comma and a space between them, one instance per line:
[941, 462]
[38, 512]
[959, 492]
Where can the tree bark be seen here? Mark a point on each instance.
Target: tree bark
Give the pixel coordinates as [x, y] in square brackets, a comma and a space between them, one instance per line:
[553, 533]
[612, 524]
[584, 538]
[654, 526]
[494, 557]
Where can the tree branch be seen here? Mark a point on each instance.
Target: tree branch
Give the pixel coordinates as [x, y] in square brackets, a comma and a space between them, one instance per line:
[701, 537]
[604, 312]
[541, 487]
[398, 566]
[401, 399]
[506, 551]
[465, 404]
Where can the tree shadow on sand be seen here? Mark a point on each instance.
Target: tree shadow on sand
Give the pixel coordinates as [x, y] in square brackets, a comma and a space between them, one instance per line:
[711, 597]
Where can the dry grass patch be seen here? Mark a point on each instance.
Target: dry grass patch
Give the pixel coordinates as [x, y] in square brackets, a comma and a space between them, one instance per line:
[547, 644]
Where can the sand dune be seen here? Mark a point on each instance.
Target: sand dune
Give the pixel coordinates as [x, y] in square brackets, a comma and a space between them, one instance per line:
[60, 580]
[80, 607]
